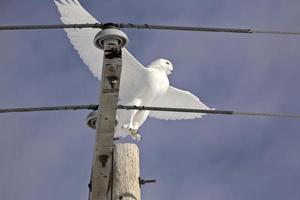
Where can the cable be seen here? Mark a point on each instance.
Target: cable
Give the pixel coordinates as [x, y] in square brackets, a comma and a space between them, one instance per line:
[219, 112]
[145, 26]
[163, 109]
[49, 108]
[203, 29]
[53, 26]
[182, 28]
[275, 32]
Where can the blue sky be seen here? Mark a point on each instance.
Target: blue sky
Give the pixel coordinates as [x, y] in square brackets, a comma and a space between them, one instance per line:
[214, 158]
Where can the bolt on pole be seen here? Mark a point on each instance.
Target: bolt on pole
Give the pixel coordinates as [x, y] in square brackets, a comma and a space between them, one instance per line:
[111, 40]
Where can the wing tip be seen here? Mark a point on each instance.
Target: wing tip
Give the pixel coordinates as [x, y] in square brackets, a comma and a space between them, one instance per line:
[66, 2]
[57, 3]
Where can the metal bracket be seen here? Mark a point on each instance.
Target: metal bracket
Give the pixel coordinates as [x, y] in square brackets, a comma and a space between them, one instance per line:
[103, 159]
[144, 181]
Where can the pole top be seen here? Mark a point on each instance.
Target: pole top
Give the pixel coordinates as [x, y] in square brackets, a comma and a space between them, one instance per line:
[110, 34]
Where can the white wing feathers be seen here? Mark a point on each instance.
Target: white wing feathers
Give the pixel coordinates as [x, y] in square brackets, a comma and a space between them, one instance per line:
[132, 78]
[83, 39]
[175, 98]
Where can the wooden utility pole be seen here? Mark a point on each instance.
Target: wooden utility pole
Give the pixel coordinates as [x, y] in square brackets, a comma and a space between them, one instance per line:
[126, 172]
[111, 40]
[116, 167]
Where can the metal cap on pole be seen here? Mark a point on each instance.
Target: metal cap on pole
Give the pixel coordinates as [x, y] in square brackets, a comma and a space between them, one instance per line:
[91, 119]
[110, 36]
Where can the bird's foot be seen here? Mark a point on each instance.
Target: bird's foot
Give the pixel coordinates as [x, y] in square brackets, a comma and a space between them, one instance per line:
[134, 133]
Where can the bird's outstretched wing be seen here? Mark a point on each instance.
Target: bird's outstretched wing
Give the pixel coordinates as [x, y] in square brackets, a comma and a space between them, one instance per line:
[82, 39]
[175, 98]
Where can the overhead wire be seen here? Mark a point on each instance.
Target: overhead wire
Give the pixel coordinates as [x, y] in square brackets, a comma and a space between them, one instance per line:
[49, 108]
[218, 112]
[146, 27]
[150, 108]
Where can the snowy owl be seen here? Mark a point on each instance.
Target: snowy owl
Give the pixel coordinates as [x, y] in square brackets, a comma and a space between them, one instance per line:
[140, 86]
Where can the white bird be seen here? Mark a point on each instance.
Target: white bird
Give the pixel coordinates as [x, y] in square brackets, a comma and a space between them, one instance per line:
[139, 86]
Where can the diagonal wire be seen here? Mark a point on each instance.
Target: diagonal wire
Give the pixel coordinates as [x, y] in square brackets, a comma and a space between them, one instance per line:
[146, 26]
[163, 109]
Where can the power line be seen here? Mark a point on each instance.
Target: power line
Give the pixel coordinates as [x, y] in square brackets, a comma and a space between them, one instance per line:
[218, 112]
[183, 28]
[203, 29]
[276, 32]
[163, 109]
[146, 27]
[50, 26]
[49, 108]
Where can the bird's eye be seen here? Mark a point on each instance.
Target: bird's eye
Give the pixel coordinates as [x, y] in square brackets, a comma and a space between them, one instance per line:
[167, 63]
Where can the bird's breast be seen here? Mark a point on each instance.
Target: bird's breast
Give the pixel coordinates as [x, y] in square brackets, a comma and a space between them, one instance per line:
[158, 82]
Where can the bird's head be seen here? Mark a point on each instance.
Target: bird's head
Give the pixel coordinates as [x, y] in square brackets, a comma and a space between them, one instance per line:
[162, 64]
